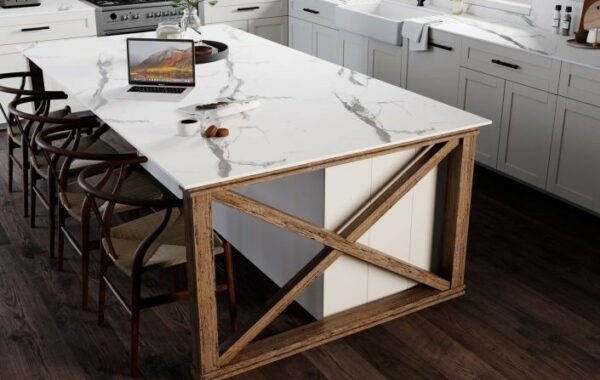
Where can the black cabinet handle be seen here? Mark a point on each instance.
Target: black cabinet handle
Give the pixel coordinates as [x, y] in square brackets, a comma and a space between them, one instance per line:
[246, 9]
[443, 47]
[505, 64]
[311, 11]
[34, 29]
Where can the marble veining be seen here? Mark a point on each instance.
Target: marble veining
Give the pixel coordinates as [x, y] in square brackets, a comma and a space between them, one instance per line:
[310, 111]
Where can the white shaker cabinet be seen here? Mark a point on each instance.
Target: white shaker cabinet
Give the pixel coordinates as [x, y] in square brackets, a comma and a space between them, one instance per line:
[434, 73]
[355, 52]
[526, 133]
[482, 95]
[385, 62]
[326, 44]
[574, 172]
[273, 28]
[301, 35]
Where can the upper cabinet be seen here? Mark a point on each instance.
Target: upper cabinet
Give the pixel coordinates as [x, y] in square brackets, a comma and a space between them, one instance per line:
[483, 94]
[435, 72]
[574, 172]
[526, 133]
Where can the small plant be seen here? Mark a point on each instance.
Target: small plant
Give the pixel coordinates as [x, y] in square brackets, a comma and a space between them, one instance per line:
[190, 4]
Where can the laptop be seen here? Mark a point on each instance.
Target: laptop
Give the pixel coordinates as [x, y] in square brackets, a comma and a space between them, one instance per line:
[159, 69]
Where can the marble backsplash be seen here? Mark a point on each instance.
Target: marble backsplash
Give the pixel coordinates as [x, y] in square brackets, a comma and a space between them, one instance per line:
[541, 12]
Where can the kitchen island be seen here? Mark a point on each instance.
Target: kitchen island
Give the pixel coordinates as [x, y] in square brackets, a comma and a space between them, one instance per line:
[375, 178]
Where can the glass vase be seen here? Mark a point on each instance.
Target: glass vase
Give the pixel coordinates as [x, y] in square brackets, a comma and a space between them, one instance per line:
[190, 22]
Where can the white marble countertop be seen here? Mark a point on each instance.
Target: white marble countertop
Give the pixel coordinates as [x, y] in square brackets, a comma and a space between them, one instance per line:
[46, 7]
[530, 39]
[310, 110]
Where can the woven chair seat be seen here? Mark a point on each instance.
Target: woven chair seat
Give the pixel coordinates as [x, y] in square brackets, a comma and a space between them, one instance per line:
[168, 249]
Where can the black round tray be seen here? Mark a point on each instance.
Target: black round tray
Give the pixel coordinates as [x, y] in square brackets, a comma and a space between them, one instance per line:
[223, 52]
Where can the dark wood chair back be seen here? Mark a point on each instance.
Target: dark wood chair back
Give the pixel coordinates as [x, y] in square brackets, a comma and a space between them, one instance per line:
[101, 187]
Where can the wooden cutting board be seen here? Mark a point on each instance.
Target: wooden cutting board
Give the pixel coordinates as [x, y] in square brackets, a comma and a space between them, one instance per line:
[591, 15]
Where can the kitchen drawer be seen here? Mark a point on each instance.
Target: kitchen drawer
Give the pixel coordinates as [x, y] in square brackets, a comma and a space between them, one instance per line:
[248, 11]
[517, 66]
[317, 11]
[580, 83]
[49, 27]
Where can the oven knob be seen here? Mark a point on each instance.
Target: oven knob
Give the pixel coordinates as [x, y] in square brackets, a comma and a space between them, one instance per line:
[156, 14]
[135, 16]
[149, 15]
[113, 16]
[125, 17]
[165, 13]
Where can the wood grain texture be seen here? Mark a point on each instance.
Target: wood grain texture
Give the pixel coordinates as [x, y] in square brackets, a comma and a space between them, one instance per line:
[333, 327]
[201, 280]
[458, 202]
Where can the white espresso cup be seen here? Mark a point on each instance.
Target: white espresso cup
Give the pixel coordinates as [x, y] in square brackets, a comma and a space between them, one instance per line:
[188, 127]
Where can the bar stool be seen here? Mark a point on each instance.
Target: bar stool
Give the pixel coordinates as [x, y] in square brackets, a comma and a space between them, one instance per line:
[14, 135]
[153, 242]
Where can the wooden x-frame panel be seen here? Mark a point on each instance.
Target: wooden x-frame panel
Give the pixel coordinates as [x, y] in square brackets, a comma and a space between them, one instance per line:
[239, 352]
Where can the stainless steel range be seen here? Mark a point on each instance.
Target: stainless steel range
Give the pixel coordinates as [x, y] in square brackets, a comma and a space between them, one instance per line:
[129, 16]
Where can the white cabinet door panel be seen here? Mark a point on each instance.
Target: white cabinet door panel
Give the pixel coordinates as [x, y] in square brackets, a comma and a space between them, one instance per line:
[385, 62]
[434, 73]
[301, 35]
[482, 95]
[526, 133]
[355, 52]
[239, 24]
[274, 29]
[326, 44]
[574, 172]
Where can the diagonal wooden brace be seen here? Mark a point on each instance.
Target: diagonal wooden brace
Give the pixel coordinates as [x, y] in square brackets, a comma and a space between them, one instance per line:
[343, 242]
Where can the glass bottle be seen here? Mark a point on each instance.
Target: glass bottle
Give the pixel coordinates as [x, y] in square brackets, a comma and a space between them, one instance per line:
[457, 7]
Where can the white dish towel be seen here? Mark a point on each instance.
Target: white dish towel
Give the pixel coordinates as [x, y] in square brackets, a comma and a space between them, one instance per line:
[416, 30]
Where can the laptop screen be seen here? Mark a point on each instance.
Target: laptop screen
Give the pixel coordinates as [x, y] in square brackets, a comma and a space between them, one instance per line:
[161, 62]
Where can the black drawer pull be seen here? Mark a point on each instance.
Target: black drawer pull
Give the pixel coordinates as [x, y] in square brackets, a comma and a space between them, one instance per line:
[246, 9]
[505, 64]
[443, 47]
[34, 29]
[311, 11]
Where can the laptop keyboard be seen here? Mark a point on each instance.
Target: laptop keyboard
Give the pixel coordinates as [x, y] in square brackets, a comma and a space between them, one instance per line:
[157, 89]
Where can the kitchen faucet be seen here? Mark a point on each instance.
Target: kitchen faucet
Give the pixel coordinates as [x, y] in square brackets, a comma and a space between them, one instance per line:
[420, 3]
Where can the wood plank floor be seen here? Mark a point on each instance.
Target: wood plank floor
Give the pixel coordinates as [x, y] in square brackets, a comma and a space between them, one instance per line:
[532, 308]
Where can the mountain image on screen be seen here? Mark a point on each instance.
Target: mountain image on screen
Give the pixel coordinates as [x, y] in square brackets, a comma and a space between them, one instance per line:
[169, 64]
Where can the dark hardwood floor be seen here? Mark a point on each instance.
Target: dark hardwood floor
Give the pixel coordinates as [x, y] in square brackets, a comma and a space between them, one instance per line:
[532, 308]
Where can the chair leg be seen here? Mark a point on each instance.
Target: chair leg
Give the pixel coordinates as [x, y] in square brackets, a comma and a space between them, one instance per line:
[135, 325]
[85, 259]
[32, 199]
[51, 215]
[61, 237]
[11, 148]
[25, 179]
[230, 286]
[102, 287]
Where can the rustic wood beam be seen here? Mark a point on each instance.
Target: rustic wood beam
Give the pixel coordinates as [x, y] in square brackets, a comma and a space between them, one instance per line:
[333, 327]
[201, 281]
[351, 231]
[458, 205]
